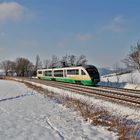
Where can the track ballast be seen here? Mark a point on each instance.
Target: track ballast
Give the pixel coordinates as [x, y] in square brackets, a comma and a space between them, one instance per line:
[124, 96]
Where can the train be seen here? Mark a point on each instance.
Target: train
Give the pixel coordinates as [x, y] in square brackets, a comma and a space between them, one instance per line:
[85, 75]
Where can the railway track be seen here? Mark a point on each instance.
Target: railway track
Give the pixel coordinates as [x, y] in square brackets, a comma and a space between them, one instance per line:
[124, 96]
[122, 89]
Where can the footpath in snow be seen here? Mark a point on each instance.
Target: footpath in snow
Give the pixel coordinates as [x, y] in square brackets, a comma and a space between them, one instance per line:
[25, 114]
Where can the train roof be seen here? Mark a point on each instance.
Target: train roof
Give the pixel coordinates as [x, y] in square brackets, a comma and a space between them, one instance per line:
[88, 66]
[84, 66]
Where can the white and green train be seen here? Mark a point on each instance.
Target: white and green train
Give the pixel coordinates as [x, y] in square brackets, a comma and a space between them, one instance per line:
[86, 75]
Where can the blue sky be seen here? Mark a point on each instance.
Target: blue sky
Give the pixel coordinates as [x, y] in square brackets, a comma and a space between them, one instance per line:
[102, 30]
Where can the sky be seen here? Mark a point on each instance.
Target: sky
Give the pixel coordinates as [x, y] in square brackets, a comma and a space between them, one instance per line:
[102, 30]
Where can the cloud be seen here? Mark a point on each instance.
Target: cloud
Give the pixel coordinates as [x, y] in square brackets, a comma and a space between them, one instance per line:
[116, 25]
[11, 11]
[83, 37]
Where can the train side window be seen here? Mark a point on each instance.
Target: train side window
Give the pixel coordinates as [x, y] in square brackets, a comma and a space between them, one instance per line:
[58, 73]
[73, 72]
[82, 72]
[48, 73]
[77, 72]
[39, 72]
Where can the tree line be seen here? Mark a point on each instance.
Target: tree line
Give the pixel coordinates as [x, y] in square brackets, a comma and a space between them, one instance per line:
[24, 67]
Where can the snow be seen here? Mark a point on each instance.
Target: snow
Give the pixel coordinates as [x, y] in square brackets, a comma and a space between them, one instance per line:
[26, 114]
[129, 80]
[116, 109]
[2, 72]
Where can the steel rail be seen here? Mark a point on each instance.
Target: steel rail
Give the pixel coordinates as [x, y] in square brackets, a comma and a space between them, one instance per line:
[111, 94]
[128, 93]
[130, 98]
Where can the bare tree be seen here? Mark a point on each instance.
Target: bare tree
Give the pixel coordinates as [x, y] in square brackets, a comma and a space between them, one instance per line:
[64, 62]
[38, 63]
[47, 63]
[81, 60]
[23, 67]
[54, 63]
[72, 60]
[68, 60]
[133, 58]
[7, 65]
[12, 66]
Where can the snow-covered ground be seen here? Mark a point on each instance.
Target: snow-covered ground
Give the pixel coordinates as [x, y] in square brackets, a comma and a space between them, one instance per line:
[128, 80]
[2, 73]
[115, 109]
[27, 115]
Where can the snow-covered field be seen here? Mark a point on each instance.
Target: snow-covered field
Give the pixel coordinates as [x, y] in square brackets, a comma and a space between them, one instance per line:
[128, 80]
[115, 108]
[27, 115]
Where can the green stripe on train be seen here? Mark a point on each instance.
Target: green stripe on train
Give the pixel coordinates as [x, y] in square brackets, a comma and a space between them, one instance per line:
[84, 82]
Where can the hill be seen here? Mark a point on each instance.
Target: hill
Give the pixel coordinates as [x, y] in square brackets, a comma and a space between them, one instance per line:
[104, 71]
[128, 79]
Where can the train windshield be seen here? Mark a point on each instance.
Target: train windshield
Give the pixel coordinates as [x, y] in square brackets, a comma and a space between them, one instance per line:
[93, 72]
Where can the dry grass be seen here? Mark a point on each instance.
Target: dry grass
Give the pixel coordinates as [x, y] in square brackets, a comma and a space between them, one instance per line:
[94, 114]
[3, 77]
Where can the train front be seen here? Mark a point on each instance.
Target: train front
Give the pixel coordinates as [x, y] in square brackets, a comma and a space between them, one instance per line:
[93, 73]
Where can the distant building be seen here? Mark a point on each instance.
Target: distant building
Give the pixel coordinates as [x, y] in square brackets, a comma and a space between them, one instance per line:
[11, 73]
[2, 72]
